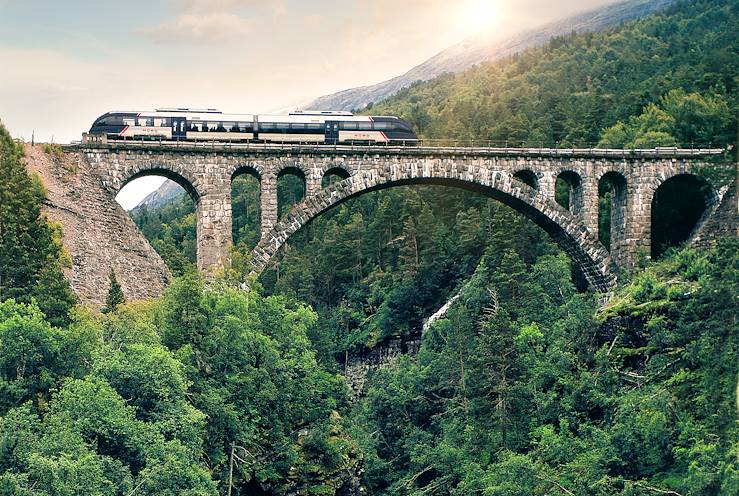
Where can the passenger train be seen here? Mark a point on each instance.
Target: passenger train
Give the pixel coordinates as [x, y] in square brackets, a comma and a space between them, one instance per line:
[320, 127]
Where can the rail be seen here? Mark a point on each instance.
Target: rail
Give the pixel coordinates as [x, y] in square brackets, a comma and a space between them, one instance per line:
[420, 147]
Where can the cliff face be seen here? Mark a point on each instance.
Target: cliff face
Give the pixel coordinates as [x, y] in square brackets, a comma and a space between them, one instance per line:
[479, 50]
[96, 232]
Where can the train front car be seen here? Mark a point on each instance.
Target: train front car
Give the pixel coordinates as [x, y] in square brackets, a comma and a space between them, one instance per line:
[370, 130]
[111, 124]
[395, 130]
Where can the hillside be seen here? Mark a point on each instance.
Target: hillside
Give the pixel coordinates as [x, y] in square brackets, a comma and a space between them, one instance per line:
[479, 50]
[527, 386]
[168, 191]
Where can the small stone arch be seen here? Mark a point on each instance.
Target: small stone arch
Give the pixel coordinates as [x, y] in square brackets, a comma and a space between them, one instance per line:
[245, 190]
[282, 189]
[686, 196]
[249, 168]
[612, 217]
[571, 234]
[189, 184]
[528, 177]
[334, 172]
[572, 197]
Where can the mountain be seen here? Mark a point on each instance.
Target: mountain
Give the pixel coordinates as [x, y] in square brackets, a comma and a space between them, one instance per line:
[168, 191]
[456, 59]
[478, 50]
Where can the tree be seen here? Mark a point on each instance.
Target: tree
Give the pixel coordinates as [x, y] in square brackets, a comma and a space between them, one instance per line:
[30, 253]
[115, 294]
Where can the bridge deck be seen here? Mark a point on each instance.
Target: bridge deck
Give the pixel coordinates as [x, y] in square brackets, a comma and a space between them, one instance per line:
[423, 150]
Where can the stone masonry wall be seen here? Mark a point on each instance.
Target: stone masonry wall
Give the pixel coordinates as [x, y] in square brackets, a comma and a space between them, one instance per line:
[206, 171]
[96, 232]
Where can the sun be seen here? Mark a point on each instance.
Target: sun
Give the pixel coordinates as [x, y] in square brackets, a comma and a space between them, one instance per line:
[479, 16]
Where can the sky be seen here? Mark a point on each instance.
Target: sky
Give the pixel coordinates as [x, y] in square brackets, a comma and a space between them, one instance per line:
[64, 63]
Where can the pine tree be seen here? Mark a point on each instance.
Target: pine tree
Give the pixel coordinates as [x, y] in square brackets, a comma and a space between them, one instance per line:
[115, 294]
[30, 265]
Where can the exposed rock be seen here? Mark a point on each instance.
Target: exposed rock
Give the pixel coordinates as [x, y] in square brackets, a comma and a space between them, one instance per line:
[164, 194]
[721, 221]
[478, 50]
[96, 232]
[360, 366]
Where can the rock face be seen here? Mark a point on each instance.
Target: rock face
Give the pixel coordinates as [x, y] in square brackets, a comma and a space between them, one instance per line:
[359, 367]
[166, 193]
[476, 51]
[720, 222]
[96, 232]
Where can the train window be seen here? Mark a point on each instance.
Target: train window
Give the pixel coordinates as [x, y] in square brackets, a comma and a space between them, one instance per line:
[314, 127]
[195, 127]
[364, 126]
[298, 126]
[129, 122]
[158, 122]
[350, 126]
[228, 126]
[381, 126]
[145, 121]
[112, 120]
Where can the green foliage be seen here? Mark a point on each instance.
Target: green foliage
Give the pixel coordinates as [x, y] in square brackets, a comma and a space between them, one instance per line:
[30, 253]
[53, 149]
[680, 119]
[171, 229]
[677, 69]
[115, 294]
[522, 389]
[538, 399]
[142, 396]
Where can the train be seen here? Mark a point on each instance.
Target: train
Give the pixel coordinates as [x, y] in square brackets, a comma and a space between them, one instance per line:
[308, 126]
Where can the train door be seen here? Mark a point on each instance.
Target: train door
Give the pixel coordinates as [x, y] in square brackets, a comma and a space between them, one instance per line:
[178, 128]
[332, 132]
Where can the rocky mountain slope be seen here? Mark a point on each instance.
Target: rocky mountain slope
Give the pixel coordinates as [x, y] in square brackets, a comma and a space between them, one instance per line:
[478, 50]
[96, 232]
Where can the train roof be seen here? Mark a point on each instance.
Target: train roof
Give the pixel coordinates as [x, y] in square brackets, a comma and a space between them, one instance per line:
[216, 115]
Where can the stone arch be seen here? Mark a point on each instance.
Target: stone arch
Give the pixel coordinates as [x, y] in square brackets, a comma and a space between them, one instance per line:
[245, 190]
[250, 168]
[571, 234]
[528, 177]
[290, 170]
[573, 183]
[177, 173]
[612, 218]
[685, 196]
[334, 171]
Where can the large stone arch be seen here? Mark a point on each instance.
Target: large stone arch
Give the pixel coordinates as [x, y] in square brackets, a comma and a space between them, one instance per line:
[177, 172]
[711, 199]
[568, 231]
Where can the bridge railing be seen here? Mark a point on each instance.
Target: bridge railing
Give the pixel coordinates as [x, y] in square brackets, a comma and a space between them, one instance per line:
[448, 146]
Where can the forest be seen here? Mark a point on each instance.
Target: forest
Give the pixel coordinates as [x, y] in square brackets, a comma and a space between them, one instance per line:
[530, 385]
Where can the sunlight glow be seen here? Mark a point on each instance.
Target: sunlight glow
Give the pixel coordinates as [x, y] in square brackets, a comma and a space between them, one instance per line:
[478, 16]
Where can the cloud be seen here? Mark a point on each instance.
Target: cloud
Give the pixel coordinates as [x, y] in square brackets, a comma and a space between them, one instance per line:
[206, 28]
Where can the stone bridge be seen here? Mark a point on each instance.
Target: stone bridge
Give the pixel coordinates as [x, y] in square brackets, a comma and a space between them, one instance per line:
[523, 179]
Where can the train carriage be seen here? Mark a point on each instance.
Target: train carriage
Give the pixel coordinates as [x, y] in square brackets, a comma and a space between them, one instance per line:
[318, 127]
